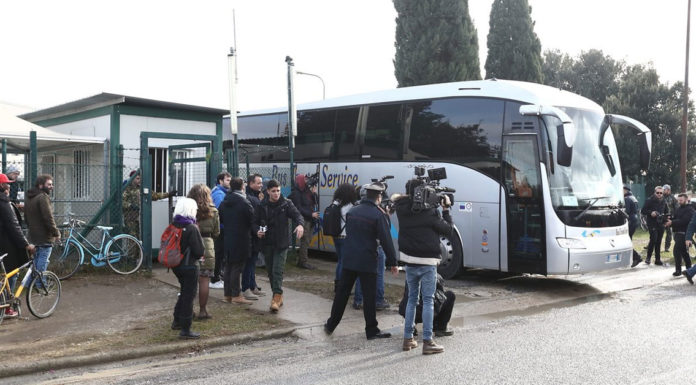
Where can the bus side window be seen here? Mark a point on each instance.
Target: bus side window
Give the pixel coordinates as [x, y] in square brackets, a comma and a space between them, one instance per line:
[383, 134]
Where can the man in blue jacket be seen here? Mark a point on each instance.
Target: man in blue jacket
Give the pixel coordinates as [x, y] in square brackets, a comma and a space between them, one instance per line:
[365, 224]
[218, 195]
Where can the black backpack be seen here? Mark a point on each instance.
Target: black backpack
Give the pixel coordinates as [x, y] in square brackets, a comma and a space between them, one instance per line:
[331, 222]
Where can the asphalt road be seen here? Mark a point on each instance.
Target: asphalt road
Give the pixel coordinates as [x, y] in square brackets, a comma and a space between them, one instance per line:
[639, 336]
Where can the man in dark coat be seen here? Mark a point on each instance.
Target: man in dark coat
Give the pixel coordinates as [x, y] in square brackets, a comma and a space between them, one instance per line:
[305, 200]
[631, 204]
[274, 215]
[12, 240]
[237, 219]
[365, 224]
[254, 195]
[680, 220]
[655, 211]
[38, 213]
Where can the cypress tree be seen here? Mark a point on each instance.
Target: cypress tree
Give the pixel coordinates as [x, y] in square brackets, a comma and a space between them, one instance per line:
[436, 42]
[514, 50]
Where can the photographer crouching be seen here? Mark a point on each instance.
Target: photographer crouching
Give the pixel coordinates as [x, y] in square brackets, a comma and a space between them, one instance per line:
[420, 227]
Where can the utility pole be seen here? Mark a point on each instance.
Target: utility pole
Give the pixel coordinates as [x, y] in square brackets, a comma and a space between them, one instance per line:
[232, 69]
[685, 113]
[292, 117]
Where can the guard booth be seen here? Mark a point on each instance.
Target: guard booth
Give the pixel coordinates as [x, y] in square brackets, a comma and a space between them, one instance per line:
[197, 161]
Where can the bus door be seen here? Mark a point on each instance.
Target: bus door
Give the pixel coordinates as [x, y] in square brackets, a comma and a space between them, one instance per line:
[525, 211]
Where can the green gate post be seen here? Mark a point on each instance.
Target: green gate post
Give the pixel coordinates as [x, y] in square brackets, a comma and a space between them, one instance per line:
[247, 165]
[33, 159]
[230, 166]
[4, 155]
[146, 201]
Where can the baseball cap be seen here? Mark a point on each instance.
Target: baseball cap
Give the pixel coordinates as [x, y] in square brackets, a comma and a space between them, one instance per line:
[626, 187]
[666, 187]
[374, 186]
[5, 179]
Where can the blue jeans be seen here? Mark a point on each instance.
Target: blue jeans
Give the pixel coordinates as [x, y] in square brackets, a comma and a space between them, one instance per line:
[420, 279]
[249, 273]
[43, 252]
[381, 260]
[692, 270]
[338, 243]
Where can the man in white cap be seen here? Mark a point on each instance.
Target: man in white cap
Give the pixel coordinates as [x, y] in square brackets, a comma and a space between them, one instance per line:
[12, 173]
[672, 206]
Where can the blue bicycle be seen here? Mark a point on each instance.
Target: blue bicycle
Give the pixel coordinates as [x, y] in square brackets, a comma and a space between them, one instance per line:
[123, 253]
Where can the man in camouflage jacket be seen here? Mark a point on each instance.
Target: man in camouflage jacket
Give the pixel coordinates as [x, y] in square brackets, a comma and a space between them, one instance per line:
[131, 206]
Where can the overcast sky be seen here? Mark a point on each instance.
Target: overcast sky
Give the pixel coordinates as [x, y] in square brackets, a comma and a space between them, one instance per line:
[52, 52]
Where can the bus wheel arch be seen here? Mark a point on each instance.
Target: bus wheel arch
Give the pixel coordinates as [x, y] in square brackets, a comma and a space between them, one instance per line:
[451, 252]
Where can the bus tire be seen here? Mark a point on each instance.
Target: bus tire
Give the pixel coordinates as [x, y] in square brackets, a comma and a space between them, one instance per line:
[452, 256]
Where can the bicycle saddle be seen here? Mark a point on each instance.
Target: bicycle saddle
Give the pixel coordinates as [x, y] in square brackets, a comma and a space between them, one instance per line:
[107, 228]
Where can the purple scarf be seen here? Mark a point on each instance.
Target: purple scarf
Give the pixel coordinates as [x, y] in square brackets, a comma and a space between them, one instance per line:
[181, 220]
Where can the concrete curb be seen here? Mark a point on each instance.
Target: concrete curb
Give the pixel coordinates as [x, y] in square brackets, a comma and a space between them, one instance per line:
[128, 354]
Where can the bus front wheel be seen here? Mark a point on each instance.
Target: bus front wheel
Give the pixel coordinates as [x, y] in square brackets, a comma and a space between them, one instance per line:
[451, 254]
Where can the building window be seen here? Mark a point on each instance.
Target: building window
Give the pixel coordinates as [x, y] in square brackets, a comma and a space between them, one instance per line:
[81, 180]
[48, 165]
[159, 168]
[179, 173]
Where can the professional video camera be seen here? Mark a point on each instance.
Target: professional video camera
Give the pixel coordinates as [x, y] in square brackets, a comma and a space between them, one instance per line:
[312, 179]
[386, 204]
[430, 194]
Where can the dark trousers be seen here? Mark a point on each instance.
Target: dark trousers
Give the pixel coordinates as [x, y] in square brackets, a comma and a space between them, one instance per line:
[233, 278]
[655, 241]
[368, 283]
[188, 282]
[219, 257]
[442, 318]
[631, 230]
[249, 274]
[668, 238]
[681, 252]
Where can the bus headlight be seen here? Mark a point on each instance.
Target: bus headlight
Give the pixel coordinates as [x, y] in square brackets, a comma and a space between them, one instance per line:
[570, 243]
[622, 230]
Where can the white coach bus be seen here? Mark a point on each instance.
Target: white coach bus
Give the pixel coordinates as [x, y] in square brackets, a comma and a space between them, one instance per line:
[536, 172]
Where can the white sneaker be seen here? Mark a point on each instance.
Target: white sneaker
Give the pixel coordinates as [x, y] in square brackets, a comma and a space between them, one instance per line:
[258, 292]
[249, 295]
[217, 285]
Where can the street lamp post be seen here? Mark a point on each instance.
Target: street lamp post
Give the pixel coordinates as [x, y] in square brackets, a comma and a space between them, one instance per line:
[685, 113]
[323, 85]
[292, 117]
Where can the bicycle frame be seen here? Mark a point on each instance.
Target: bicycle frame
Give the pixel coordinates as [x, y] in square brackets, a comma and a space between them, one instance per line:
[86, 245]
[25, 280]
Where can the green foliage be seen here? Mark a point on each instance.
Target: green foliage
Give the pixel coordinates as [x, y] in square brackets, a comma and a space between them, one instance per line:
[635, 91]
[436, 42]
[514, 50]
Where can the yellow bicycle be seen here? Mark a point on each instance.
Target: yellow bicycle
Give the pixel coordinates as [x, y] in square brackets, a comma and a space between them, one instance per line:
[43, 290]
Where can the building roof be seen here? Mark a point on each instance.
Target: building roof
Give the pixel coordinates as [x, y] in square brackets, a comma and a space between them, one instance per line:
[107, 99]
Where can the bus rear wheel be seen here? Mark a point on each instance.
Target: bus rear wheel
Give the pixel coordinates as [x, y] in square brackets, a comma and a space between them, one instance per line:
[452, 255]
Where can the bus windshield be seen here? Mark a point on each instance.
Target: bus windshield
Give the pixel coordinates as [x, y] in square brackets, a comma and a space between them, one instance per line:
[587, 182]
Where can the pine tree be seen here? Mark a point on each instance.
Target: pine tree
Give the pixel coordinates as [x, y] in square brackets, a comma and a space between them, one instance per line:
[436, 42]
[514, 50]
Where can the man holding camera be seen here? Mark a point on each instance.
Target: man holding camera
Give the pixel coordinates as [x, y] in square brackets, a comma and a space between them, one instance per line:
[655, 211]
[304, 197]
[680, 220]
[419, 248]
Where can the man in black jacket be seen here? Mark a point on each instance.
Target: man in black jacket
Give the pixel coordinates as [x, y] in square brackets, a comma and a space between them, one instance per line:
[631, 204]
[419, 248]
[680, 220]
[273, 216]
[305, 199]
[655, 211]
[365, 224]
[254, 195]
[237, 219]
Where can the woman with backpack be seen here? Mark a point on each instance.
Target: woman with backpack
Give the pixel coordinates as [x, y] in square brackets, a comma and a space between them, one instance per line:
[192, 250]
[343, 198]
[209, 225]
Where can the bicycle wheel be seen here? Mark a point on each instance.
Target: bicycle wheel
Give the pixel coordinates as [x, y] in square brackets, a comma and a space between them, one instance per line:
[43, 294]
[3, 298]
[65, 259]
[124, 254]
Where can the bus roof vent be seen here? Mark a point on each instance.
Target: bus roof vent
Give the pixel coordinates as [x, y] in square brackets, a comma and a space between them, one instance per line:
[470, 89]
[528, 125]
[516, 125]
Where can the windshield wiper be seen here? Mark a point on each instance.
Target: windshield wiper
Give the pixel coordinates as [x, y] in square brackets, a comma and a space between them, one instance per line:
[593, 201]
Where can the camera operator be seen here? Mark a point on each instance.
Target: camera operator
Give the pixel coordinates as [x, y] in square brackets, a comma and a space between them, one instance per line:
[655, 211]
[304, 197]
[419, 249]
[680, 220]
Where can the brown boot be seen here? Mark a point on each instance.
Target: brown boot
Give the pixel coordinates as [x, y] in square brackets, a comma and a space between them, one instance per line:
[227, 299]
[240, 300]
[274, 303]
[430, 347]
[280, 300]
[409, 343]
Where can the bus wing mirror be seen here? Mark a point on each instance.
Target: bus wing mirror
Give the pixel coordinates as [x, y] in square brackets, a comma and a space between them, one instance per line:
[643, 132]
[565, 132]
